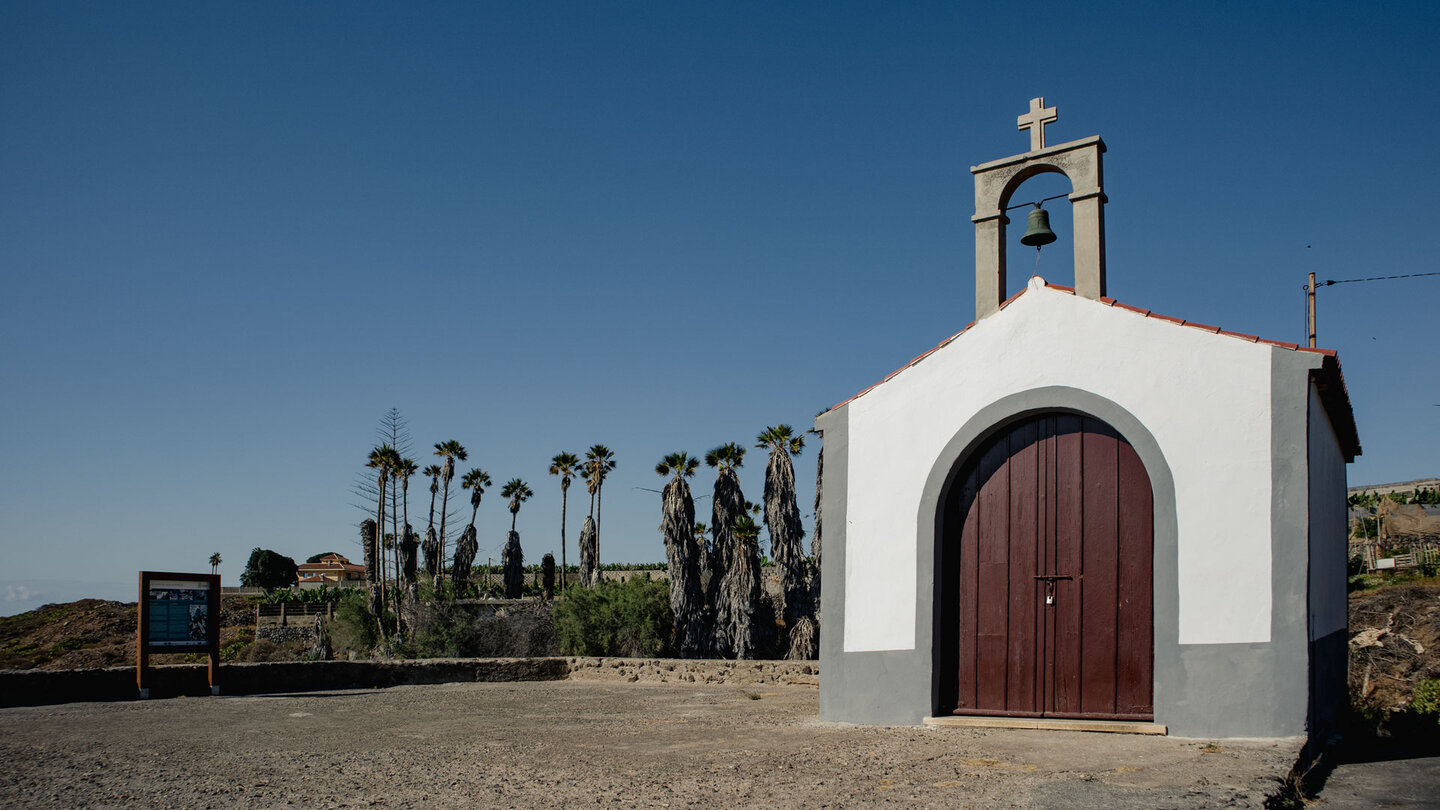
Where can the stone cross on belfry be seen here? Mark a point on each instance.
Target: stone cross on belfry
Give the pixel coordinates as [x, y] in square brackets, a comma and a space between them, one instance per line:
[1035, 121]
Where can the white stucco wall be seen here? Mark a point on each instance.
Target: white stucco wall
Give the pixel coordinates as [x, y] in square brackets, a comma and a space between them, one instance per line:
[1204, 397]
[1328, 525]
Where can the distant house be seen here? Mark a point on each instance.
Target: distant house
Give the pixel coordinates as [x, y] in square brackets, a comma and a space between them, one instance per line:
[332, 570]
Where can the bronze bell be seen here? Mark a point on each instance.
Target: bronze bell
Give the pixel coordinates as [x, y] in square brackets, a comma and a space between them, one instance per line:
[1037, 229]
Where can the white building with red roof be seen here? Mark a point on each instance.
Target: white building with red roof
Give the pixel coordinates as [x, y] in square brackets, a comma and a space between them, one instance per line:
[331, 570]
[1075, 509]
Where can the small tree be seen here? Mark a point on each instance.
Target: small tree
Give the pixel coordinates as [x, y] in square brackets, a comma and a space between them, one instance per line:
[269, 570]
[215, 563]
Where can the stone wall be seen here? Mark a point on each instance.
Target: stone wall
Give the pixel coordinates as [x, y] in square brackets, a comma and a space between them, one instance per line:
[683, 670]
[37, 687]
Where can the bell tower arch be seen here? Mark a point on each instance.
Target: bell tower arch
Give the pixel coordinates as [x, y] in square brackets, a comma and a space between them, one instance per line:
[997, 180]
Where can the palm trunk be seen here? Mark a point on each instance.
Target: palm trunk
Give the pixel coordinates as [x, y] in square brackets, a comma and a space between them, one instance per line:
[444, 509]
[377, 598]
[589, 568]
[512, 561]
[598, 500]
[564, 496]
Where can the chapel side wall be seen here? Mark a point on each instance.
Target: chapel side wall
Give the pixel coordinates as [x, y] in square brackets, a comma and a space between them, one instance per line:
[1329, 602]
[1263, 689]
[875, 687]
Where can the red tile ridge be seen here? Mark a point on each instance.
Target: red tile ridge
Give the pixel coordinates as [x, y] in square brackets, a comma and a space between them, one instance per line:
[1108, 301]
[1008, 301]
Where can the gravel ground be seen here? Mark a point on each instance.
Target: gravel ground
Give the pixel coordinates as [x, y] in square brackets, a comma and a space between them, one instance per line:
[583, 744]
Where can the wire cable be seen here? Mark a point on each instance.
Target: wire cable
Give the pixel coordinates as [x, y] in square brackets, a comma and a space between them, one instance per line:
[1372, 278]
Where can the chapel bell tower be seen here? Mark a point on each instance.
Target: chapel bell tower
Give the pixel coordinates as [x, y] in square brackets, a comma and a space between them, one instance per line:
[997, 180]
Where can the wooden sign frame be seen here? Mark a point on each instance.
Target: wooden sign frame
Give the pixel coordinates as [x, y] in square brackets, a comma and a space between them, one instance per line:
[169, 628]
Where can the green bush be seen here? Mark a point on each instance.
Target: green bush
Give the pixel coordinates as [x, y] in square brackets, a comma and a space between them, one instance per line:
[448, 630]
[630, 619]
[353, 629]
[1427, 698]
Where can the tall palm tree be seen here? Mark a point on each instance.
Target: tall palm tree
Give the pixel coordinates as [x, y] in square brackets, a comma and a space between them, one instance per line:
[382, 459]
[741, 589]
[782, 518]
[599, 461]
[518, 492]
[433, 472]
[565, 465]
[476, 481]
[450, 450]
[215, 563]
[512, 559]
[728, 600]
[430, 548]
[404, 469]
[677, 524]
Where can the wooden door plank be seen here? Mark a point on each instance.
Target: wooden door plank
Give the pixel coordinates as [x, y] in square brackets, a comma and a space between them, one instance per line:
[1135, 680]
[992, 592]
[968, 588]
[1021, 692]
[1098, 592]
[1069, 523]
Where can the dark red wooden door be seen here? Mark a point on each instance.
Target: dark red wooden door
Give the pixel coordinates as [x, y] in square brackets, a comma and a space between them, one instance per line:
[1053, 576]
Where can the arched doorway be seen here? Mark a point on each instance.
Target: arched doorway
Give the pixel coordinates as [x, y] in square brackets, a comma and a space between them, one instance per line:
[1046, 577]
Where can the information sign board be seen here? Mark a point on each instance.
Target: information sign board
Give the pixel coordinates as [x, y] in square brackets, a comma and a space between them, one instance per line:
[178, 613]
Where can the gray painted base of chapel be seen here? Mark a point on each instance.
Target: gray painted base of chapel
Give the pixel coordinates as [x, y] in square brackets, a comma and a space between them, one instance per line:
[1268, 689]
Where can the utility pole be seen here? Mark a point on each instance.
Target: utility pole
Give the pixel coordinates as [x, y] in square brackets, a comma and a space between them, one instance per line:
[1310, 294]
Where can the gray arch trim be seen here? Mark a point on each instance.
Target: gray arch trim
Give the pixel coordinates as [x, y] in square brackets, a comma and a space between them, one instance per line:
[985, 423]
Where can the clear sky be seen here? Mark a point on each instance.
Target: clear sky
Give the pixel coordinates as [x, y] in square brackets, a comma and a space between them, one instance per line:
[233, 235]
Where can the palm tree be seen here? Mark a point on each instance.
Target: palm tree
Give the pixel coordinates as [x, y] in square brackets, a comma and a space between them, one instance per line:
[565, 465]
[518, 492]
[512, 559]
[450, 450]
[677, 524]
[782, 518]
[728, 600]
[599, 461]
[404, 469]
[465, 550]
[380, 460]
[215, 563]
[740, 591]
[476, 481]
[433, 472]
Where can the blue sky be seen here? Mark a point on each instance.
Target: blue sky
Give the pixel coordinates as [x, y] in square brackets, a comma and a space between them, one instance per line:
[233, 236]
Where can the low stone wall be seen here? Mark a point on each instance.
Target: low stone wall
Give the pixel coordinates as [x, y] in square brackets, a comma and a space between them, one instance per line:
[31, 687]
[685, 670]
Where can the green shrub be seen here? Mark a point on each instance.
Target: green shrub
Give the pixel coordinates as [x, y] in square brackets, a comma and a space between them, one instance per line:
[353, 630]
[1427, 698]
[630, 618]
[448, 630]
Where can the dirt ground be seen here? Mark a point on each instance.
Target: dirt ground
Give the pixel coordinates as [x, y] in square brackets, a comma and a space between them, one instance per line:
[587, 744]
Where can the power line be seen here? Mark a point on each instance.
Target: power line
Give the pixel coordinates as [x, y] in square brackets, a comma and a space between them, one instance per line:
[1373, 278]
